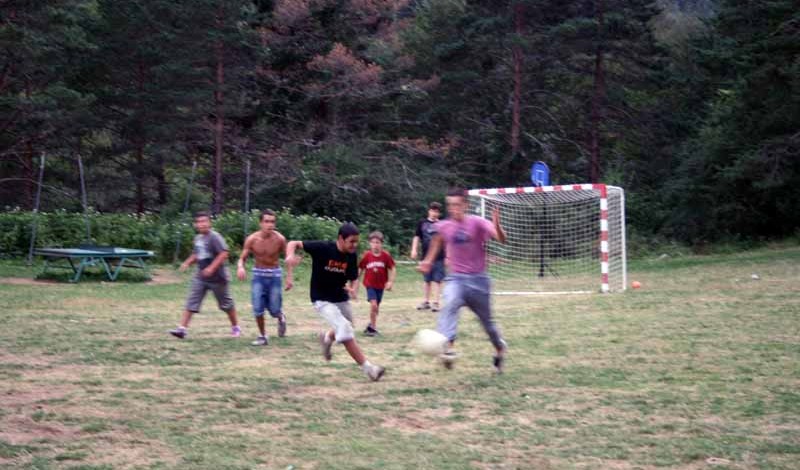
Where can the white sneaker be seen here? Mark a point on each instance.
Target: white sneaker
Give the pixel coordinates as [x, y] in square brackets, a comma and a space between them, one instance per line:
[325, 344]
[448, 359]
[260, 341]
[375, 372]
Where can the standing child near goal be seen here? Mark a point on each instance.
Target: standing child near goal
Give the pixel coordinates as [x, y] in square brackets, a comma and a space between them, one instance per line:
[467, 284]
[378, 270]
[426, 229]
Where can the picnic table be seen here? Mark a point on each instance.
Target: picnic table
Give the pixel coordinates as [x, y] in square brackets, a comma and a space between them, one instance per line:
[111, 258]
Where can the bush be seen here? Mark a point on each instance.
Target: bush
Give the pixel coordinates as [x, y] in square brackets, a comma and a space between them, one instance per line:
[148, 231]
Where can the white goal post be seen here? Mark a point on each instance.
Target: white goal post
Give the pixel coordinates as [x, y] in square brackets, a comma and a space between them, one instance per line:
[560, 239]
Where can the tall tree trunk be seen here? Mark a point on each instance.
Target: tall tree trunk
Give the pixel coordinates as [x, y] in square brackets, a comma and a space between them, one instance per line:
[598, 98]
[30, 174]
[219, 125]
[161, 176]
[139, 172]
[139, 177]
[28, 162]
[516, 102]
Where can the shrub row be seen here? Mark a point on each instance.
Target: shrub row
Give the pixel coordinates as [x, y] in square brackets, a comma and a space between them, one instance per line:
[148, 231]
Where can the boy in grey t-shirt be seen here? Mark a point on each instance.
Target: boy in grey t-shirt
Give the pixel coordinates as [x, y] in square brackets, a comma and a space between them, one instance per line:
[210, 253]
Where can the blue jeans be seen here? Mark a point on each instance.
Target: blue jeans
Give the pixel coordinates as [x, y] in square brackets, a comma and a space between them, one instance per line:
[267, 294]
[468, 290]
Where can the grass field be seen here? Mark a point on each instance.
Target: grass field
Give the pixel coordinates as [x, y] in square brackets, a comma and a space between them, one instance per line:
[700, 368]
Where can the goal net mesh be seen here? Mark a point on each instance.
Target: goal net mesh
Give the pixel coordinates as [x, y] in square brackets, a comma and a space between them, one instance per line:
[555, 239]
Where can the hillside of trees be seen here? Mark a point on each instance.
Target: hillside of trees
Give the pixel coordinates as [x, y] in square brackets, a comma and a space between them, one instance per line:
[368, 109]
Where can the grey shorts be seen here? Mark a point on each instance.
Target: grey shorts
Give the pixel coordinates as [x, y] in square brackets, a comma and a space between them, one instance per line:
[198, 289]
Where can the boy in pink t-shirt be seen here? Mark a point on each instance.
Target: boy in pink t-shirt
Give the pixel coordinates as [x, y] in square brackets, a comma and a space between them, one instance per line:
[467, 284]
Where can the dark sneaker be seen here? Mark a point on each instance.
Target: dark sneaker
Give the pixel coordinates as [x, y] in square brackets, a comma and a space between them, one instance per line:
[499, 359]
[178, 332]
[435, 307]
[424, 306]
[370, 331]
[375, 373]
[325, 343]
[448, 359]
[261, 341]
[282, 326]
[498, 364]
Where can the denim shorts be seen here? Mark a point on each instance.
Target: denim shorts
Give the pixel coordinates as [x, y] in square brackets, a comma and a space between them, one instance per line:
[267, 293]
[374, 294]
[436, 274]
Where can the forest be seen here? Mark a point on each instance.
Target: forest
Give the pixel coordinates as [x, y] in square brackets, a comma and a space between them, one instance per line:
[369, 109]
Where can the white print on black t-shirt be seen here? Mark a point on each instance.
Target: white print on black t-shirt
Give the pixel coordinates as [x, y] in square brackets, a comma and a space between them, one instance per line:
[334, 266]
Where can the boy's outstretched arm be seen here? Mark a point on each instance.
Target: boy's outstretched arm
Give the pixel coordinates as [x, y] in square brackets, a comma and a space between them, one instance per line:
[500, 235]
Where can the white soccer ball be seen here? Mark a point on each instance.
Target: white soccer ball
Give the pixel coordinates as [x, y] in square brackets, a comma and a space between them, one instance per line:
[431, 342]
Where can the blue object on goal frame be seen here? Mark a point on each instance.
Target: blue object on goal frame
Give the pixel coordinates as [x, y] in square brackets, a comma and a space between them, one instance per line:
[540, 174]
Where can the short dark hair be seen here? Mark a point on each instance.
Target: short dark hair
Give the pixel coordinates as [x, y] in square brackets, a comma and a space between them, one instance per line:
[348, 229]
[199, 214]
[266, 212]
[375, 234]
[437, 206]
[457, 192]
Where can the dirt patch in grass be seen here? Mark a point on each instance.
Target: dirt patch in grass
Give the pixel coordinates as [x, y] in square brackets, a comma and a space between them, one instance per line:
[20, 430]
[29, 361]
[29, 397]
[126, 451]
[26, 281]
[439, 420]
[164, 276]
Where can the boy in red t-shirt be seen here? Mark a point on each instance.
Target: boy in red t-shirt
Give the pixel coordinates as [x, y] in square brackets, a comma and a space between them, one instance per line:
[377, 267]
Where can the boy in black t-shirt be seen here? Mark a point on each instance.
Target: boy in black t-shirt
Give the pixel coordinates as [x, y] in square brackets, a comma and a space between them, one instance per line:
[334, 272]
[426, 229]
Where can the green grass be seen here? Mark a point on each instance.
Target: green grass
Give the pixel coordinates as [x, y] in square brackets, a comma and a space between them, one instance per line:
[700, 368]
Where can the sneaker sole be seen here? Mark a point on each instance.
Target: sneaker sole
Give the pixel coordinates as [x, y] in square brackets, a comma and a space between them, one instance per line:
[379, 376]
[178, 335]
[448, 362]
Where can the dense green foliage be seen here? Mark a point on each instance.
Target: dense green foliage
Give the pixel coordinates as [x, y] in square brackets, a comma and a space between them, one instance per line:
[366, 110]
[151, 231]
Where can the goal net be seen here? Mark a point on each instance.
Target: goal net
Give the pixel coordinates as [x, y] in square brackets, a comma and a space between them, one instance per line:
[567, 239]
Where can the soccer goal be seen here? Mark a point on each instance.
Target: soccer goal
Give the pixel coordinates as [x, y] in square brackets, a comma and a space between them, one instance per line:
[560, 239]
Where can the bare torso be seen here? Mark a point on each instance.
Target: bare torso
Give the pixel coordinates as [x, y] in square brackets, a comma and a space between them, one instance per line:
[266, 248]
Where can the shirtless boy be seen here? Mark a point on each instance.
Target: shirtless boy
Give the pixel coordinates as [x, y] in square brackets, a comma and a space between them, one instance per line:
[267, 246]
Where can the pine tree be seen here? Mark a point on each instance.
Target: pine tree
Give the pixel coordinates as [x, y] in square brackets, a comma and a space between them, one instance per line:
[739, 175]
[42, 46]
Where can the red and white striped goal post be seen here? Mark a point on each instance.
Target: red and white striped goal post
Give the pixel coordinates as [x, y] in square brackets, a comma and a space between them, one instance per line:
[600, 189]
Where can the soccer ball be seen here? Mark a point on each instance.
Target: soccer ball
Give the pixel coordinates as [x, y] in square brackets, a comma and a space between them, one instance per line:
[431, 342]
